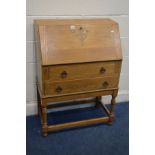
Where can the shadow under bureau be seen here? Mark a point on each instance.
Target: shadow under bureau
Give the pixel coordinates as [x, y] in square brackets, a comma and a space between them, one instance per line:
[76, 59]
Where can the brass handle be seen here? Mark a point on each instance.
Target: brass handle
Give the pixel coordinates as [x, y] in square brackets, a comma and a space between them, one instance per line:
[105, 84]
[58, 89]
[102, 70]
[64, 74]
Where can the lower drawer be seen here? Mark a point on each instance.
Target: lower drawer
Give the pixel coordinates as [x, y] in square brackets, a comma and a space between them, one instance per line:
[85, 85]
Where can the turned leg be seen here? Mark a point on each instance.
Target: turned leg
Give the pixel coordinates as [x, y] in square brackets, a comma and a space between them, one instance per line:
[112, 109]
[44, 120]
[98, 101]
[39, 103]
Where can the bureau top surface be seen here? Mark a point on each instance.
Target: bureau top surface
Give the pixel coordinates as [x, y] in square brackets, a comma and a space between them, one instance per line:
[77, 41]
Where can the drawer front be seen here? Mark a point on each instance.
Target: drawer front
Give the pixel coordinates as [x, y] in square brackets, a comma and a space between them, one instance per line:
[81, 71]
[85, 85]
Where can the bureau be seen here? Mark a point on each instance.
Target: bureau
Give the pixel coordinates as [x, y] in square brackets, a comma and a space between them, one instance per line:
[76, 59]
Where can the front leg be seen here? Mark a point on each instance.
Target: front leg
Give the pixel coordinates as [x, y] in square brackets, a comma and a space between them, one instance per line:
[112, 109]
[44, 119]
[98, 101]
[39, 103]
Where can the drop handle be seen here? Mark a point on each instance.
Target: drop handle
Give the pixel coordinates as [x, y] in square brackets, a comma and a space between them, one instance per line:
[102, 70]
[105, 84]
[64, 74]
[58, 89]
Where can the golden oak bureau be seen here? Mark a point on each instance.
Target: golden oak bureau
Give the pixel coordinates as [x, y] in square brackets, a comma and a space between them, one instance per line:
[76, 59]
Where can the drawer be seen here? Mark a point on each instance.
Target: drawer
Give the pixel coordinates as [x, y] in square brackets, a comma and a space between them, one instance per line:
[85, 85]
[81, 71]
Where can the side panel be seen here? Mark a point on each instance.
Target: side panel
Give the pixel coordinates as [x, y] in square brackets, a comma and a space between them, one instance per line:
[38, 59]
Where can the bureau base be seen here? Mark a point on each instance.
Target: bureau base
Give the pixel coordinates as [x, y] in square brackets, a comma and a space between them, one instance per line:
[43, 106]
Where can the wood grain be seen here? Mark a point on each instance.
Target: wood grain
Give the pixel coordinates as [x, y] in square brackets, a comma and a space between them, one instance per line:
[78, 123]
[80, 95]
[76, 59]
[82, 85]
[80, 71]
[59, 45]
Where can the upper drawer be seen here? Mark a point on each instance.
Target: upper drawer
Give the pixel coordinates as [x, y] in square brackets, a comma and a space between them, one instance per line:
[80, 71]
